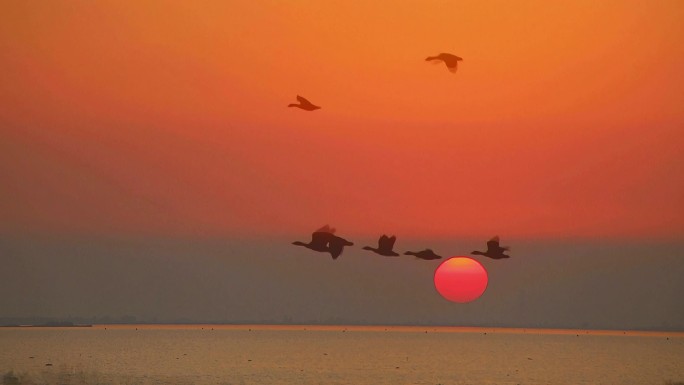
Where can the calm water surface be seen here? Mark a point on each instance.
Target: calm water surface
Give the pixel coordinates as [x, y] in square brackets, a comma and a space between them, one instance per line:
[336, 355]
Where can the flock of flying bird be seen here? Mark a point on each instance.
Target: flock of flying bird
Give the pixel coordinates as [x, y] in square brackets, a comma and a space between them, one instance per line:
[324, 240]
[450, 60]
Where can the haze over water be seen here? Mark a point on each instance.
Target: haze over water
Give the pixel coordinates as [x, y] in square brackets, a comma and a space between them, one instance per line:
[214, 354]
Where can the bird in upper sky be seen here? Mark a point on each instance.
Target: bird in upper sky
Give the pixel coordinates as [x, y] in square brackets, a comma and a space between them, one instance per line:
[304, 104]
[494, 251]
[450, 60]
[426, 254]
[324, 240]
[385, 245]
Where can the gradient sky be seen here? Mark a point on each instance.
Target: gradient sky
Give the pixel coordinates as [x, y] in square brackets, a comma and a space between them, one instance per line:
[168, 120]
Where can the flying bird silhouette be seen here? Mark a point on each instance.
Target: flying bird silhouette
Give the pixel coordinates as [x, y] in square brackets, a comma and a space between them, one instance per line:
[450, 60]
[304, 104]
[426, 254]
[494, 251]
[319, 239]
[324, 240]
[385, 245]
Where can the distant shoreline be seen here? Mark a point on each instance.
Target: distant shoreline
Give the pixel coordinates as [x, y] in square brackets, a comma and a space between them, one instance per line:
[360, 328]
[50, 325]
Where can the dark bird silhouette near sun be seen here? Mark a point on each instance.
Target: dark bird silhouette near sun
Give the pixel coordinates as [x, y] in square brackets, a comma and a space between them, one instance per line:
[319, 239]
[385, 245]
[324, 240]
[450, 60]
[304, 104]
[494, 251]
[426, 254]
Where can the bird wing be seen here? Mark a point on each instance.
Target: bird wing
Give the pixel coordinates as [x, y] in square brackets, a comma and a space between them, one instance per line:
[382, 241]
[450, 60]
[326, 229]
[304, 101]
[430, 253]
[335, 250]
[320, 239]
[386, 243]
[337, 244]
[493, 244]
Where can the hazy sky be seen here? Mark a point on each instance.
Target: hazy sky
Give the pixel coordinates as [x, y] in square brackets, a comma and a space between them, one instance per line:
[167, 120]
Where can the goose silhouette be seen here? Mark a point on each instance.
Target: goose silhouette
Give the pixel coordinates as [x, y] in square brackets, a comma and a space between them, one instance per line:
[426, 254]
[385, 245]
[304, 104]
[450, 60]
[494, 251]
[324, 240]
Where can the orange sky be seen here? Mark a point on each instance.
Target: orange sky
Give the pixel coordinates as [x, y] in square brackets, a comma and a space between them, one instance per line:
[169, 118]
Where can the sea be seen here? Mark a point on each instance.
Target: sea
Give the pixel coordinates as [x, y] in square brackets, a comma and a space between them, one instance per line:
[302, 355]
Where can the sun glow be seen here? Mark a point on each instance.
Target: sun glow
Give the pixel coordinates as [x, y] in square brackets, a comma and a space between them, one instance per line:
[461, 279]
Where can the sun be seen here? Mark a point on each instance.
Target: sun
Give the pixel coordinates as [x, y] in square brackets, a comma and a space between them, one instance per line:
[461, 279]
